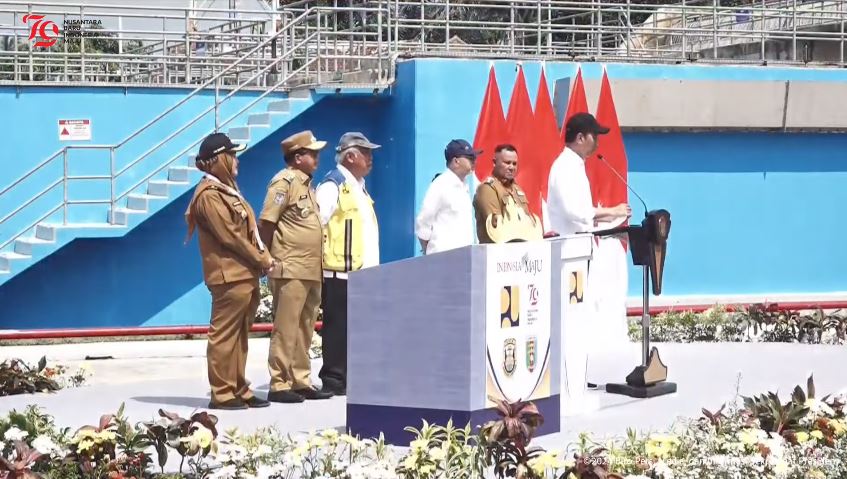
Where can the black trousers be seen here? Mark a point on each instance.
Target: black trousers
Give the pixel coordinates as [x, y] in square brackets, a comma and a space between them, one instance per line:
[334, 333]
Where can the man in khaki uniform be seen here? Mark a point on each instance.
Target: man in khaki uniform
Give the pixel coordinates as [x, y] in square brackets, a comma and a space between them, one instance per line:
[291, 225]
[492, 194]
[234, 257]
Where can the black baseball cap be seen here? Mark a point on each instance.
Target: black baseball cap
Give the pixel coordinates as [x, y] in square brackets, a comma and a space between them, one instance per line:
[584, 123]
[217, 143]
[460, 148]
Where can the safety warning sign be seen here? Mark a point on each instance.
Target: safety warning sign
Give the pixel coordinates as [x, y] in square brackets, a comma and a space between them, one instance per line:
[74, 130]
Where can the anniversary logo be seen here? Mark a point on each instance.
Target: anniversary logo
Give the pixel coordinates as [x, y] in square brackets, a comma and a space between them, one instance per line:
[518, 321]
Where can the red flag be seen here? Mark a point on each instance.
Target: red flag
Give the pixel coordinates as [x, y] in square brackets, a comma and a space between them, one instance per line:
[548, 142]
[577, 102]
[606, 188]
[520, 123]
[490, 128]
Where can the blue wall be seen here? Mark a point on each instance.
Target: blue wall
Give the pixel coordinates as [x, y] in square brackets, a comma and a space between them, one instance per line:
[753, 213]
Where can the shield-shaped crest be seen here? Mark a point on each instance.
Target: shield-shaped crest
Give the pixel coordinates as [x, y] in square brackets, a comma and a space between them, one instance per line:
[531, 353]
[509, 359]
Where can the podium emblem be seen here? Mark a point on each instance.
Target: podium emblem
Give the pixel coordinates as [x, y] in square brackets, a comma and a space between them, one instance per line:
[510, 307]
[509, 360]
[576, 287]
[531, 353]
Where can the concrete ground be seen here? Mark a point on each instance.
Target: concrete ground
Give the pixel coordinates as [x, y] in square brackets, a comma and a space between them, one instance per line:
[172, 375]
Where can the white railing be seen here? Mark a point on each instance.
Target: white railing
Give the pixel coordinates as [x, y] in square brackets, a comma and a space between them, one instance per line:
[305, 53]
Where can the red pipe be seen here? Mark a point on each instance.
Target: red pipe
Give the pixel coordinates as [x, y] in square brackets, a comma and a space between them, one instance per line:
[131, 331]
[268, 327]
[780, 306]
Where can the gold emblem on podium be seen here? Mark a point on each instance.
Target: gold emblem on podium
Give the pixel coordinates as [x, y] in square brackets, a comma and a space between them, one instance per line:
[513, 225]
[575, 287]
[510, 307]
[509, 358]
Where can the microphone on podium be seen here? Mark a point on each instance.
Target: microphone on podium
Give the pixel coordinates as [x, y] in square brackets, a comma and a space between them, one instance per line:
[600, 157]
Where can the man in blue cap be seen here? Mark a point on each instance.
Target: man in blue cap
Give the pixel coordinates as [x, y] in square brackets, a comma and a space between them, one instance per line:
[445, 220]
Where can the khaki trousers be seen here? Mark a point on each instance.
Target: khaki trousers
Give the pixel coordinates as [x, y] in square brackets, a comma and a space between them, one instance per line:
[234, 308]
[295, 307]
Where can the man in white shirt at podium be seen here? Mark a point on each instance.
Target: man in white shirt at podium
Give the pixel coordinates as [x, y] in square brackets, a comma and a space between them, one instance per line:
[445, 220]
[570, 205]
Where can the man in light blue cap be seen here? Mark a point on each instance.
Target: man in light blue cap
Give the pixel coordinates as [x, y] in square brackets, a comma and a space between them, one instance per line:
[351, 242]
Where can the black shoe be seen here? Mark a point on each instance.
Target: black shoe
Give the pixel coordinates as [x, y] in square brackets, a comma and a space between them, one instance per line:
[285, 396]
[312, 393]
[257, 402]
[592, 386]
[231, 405]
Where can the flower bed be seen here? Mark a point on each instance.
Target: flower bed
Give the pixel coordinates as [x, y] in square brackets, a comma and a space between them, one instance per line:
[756, 323]
[754, 437]
[18, 377]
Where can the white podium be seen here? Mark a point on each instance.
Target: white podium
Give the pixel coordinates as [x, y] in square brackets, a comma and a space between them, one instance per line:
[434, 337]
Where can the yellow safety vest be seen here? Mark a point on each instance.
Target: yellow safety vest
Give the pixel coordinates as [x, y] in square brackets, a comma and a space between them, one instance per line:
[343, 243]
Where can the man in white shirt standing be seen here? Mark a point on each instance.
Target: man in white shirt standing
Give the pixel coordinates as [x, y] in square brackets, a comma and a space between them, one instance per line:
[445, 220]
[351, 242]
[571, 207]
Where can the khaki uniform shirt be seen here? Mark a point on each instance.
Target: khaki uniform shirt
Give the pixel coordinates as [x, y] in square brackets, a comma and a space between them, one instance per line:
[228, 247]
[490, 199]
[298, 239]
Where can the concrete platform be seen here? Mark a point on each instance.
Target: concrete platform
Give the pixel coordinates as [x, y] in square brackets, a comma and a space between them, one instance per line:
[172, 375]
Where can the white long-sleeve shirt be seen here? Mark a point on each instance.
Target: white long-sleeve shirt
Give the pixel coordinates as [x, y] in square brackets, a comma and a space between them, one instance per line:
[446, 216]
[569, 203]
[326, 196]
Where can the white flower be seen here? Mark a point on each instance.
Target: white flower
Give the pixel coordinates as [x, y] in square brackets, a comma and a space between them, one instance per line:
[264, 450]
[226, 472]
[379, 470]
[663, 470]
[15, 434]
[2, 446]
[44, 445]
[265, 471]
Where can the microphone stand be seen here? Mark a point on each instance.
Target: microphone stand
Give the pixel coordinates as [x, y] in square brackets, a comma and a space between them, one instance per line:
[648, 379]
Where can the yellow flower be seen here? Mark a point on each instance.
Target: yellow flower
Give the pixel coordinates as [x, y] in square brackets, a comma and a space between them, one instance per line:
[816, 474]
[660, 445]
[317, 442]
[410, 461]
[85, 445]
[348, 439]
[105, 436]
[427, 468]
[437, 454]
[802, 437]
[84, 434]
[817, 435]
[839, 426]
[330, 434]
[203, 437]
[548, 460]
[781, 468]
[418, 445]
[750, 437]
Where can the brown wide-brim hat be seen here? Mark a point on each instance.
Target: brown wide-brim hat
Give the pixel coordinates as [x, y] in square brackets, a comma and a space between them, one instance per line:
[303, 140]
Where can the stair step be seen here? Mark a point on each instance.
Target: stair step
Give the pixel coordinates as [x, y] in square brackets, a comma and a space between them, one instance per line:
[279, 106]
[141, 202]
[181, 174]
[259, 119]
[7, 258]
[120, 216]
[239, 133]
[162, 187]
[45, 232]
[25, 246]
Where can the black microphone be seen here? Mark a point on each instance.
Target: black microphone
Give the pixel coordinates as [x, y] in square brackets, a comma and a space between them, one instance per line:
[600, 157]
